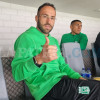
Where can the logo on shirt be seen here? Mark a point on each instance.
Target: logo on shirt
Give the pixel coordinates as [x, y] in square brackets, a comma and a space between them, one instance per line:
[84, 90]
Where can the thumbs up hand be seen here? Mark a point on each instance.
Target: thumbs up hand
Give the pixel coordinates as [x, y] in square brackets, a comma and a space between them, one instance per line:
[47, 41]
[48, 53]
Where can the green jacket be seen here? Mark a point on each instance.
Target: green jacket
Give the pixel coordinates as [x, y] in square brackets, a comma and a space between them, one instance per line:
[80, 38]
[39, 80]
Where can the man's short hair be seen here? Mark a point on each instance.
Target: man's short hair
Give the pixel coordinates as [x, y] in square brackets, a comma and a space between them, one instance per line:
[75, 21]
[45, 4]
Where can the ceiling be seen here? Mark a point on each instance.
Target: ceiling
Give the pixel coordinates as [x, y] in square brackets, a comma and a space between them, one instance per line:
[89, 8]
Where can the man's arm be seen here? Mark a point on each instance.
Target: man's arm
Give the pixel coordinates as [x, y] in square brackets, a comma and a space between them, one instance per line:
[23, 65]
[65, 67]
[83, 42]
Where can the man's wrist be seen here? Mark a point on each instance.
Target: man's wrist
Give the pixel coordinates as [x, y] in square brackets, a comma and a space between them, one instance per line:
[35, 62]
[38, 59]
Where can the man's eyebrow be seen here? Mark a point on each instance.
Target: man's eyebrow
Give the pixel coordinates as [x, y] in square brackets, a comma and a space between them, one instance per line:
[48, 15]
[52, 16]
[43, 14]
[78, 24]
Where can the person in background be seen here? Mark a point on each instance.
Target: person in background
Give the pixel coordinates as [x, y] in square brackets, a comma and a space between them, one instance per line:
[75, 35]
[97, 48]
[38, 61]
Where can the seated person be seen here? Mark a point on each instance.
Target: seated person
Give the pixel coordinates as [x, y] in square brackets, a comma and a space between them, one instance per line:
[75, 35]
[97, 48]
[38, 61]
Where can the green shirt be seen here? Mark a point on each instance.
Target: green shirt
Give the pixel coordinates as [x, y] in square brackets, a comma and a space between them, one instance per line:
[80, 38]
[39, 80]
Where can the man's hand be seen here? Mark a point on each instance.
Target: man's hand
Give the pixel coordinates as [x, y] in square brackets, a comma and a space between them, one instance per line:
[82, 78]
[48, 53]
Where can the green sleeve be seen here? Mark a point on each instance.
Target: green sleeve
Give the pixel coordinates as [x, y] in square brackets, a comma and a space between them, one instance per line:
[61, 43]
[83, 42]
[65, 67]
[63, 40]
[23, 65]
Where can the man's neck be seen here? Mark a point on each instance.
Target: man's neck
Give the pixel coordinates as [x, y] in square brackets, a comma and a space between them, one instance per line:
[73, 33]
[42, 32]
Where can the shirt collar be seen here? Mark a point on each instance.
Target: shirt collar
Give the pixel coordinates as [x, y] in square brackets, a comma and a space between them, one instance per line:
[41, 32]
[75, 34]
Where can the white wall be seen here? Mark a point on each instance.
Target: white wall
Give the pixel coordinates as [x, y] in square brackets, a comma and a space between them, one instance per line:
[15, 19]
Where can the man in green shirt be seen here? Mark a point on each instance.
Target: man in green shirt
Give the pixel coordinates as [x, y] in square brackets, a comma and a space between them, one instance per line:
[38, 61]
[75, 35]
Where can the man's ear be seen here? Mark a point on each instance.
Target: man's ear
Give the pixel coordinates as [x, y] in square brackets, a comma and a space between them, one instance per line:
[36, 18]
[70, 26]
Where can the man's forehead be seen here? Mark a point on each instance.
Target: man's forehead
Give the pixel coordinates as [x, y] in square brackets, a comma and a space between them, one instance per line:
[77, 23]
[47, 9]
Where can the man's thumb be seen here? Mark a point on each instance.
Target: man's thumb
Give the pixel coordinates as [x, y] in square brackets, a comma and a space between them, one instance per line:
[47, 41]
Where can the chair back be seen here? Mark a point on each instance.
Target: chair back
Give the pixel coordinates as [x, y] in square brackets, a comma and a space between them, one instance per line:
[15, 89]
[3, 90]
[73, 56]
[95, 61]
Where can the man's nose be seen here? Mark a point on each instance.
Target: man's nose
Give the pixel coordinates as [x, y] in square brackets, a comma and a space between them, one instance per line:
[48, 19]
[80, 27]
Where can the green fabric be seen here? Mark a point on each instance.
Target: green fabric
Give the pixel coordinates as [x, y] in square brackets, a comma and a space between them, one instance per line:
[39, 80]
[80, 38]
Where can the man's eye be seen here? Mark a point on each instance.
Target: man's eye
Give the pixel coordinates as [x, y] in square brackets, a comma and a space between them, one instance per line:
[52, 18]
[77, 25]
[44, 16]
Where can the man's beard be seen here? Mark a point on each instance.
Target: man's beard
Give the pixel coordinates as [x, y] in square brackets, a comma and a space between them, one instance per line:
[43, 30]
